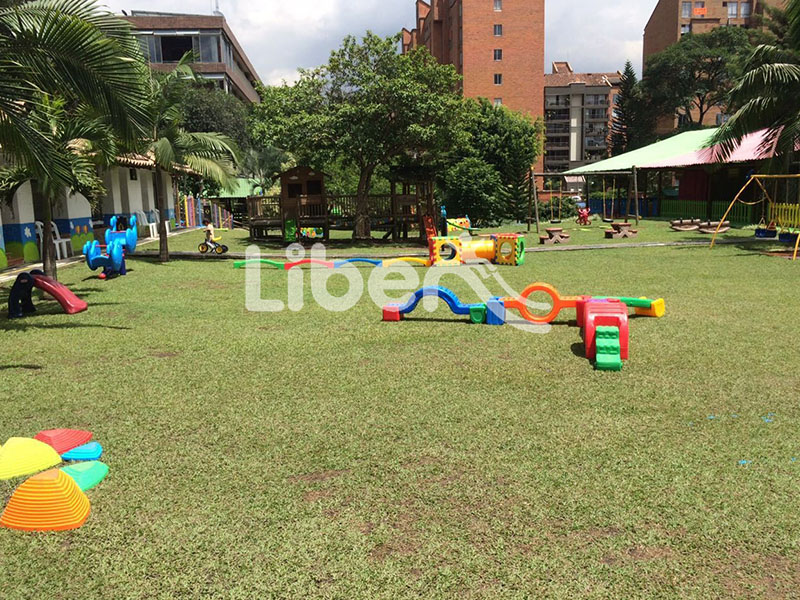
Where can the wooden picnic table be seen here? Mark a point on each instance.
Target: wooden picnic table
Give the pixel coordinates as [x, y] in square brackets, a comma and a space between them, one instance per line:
[621, 230]
[555, 235]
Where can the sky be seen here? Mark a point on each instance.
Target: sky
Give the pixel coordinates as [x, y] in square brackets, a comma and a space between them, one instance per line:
[279, 35]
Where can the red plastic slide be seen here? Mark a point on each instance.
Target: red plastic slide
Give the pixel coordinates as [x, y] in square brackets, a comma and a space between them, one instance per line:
[68, 301]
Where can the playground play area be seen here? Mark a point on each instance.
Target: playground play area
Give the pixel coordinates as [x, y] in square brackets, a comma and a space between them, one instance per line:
[322, 454]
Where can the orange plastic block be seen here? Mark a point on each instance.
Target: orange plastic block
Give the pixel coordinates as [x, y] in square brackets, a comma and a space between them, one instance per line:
[64, 440]
[49, 501]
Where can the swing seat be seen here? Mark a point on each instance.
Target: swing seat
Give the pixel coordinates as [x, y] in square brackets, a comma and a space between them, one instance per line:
[766, 234]
[787, 237]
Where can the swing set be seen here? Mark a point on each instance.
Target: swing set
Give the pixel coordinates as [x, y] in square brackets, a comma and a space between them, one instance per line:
[780, 210]
[608, 217]
[553, 220]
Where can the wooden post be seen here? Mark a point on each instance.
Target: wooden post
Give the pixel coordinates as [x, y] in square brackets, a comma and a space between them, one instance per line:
[636, 193]
[530, 198]
[660, 191]
[709, 202]
[536, 204]
[395, 214]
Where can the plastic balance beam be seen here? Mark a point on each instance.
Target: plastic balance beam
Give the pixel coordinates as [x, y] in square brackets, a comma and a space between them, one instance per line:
[457, 307]
[605, 314]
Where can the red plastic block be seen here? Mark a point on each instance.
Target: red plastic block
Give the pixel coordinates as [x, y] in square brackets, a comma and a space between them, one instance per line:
[64, 440]
[392, 313]
[611, 313]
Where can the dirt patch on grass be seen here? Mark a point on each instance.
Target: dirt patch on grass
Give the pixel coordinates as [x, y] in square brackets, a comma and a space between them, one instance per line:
[638, 554]
[316, 495]
[759, 576]
[155, 354]
[404, 540]
[318, 476]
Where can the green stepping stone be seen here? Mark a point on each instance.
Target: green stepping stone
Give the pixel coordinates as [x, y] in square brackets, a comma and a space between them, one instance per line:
[87, 474]
[477, 313]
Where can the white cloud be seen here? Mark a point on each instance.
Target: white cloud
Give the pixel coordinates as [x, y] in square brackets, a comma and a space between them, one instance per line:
[279, 36]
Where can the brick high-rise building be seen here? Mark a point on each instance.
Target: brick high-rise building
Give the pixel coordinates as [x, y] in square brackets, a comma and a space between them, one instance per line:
[672, 19]
[496, 45]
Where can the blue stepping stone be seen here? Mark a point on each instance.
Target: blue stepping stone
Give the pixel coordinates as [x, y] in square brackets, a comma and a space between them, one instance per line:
[87, 452]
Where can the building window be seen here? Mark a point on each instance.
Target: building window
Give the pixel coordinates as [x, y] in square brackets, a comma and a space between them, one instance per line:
[686, 29]
[133, 174]
[498, 31]
[733, 10]
[747, 9]
[498, 5]
[498, 54]
[498, 79]
[686, 10]
[498, 102]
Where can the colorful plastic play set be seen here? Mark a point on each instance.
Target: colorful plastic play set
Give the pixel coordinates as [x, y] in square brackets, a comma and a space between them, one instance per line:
[497, 248]
[20, 302]
[603, 320]
[51, 499]
[119, 241]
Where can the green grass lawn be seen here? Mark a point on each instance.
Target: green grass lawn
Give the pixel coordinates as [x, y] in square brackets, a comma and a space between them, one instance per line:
[649, 231]
[315, 454]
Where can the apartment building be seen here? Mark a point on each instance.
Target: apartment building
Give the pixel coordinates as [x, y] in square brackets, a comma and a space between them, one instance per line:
[496, 45]
[578, 109]
[166, 37]
[672, 19]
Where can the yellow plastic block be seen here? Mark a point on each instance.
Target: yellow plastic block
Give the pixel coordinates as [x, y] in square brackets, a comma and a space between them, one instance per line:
[506, 249]
[49, 501]
[452, 249]
[23, 456]
[657, 309]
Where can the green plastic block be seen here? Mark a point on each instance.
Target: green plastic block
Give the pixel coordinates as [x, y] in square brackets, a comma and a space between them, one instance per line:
[520, 252]
[477, 314]
[608, 349]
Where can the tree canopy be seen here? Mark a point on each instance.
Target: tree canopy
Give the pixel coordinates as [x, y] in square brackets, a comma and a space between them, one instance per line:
[692, 77]
[367, 107]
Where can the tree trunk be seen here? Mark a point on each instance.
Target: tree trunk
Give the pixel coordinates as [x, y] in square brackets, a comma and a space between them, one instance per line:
[49, 264]
[363, 226]
[163, 246]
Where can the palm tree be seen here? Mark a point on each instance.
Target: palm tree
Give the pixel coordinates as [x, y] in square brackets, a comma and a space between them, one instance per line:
[767, 97]
[263, 166]
[73, 49]
[69, 71]
[173, 149]
[80, 139]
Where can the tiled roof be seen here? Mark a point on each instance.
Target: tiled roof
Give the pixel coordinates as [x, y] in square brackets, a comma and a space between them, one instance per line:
[566, 78]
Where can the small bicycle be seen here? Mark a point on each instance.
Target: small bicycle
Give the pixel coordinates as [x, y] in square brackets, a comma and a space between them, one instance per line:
[213, 246]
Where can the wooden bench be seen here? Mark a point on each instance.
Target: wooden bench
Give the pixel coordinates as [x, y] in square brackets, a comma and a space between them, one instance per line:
[620, 231]
[555, 235]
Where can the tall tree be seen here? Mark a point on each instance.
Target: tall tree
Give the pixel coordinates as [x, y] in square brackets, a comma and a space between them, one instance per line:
[211, 155]
[488, 172]
[86, 56]
[626, 105]
[694, 76]
[767, 96]
[263, 166]
[368, 107]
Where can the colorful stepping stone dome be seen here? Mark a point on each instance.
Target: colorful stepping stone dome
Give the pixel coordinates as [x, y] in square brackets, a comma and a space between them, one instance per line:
[23, 456]
[90, 451]
[49, 501]
[64, 440]
[87, 474]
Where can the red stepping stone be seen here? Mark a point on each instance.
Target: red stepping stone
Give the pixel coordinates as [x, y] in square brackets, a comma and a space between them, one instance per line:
[64, 440]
